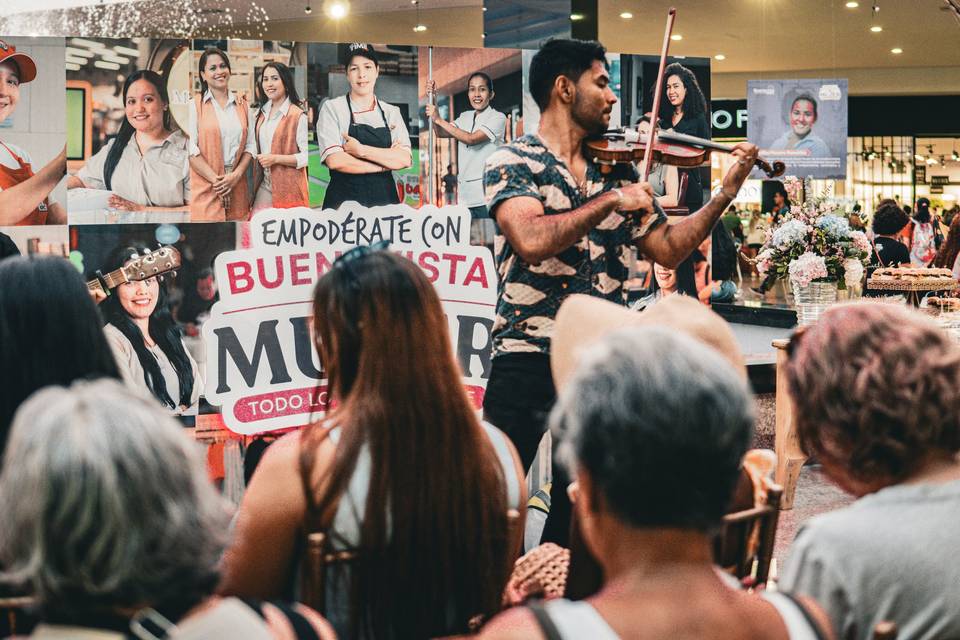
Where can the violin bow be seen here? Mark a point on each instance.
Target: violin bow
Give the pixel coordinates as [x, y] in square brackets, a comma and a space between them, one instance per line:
[658, 90]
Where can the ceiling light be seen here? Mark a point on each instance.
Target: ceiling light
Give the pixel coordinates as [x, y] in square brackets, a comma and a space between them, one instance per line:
[72, 67]
[103, 64]
[75, 60]
[127, 51]
[626, 15]
[853, 5]
[576, 16]
[896, 50]
[81, 53]
[719, 56]
[876, 28]
[336, 10]
[420, 27]
[676, 36]
[308, 9]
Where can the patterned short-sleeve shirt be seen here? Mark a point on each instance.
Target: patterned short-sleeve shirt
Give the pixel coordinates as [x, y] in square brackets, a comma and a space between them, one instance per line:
[598, 264]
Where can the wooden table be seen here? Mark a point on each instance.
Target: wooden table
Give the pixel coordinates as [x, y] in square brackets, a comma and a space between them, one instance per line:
[790, 457]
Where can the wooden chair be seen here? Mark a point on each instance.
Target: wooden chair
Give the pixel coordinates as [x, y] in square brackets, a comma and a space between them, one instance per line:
[885, 630]
[10, 609]
[737, 547]
[318, 558]
[680, 209]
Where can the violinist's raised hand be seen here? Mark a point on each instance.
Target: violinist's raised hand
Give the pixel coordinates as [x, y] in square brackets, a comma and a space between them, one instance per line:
[746, 155]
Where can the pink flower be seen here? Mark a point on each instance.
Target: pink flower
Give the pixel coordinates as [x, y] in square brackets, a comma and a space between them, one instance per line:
[807, 268]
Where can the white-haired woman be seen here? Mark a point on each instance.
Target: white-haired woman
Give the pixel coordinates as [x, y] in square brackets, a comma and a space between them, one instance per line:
[108, 518]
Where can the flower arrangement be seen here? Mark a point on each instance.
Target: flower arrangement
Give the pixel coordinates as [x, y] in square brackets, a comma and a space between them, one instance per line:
[814, 243]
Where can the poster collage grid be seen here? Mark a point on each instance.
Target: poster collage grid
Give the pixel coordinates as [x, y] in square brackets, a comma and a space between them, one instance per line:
[181, 143]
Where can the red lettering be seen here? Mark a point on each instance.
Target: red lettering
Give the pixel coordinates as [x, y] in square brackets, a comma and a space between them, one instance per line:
[238, 274]
[270, 284]
[323, 265]
[296, 268]
[430, 267]
[454, 260]
[476, 273]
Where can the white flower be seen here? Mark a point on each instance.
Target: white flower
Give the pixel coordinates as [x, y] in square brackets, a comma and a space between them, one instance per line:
[852, 271]
[807, 268]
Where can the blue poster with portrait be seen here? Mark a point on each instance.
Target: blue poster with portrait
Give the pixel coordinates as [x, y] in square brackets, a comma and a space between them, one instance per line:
[801, 122]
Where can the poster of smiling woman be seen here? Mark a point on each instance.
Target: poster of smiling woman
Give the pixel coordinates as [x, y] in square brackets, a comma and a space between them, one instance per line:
[801, 122]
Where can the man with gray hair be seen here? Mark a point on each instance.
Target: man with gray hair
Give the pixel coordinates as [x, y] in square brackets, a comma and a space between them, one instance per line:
[108, 517]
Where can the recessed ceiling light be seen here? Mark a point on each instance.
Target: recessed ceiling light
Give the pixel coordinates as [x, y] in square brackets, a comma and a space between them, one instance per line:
[853, 5]
[876, 28]
[420, 27]
[676, 36]
[720, 56]
[337, 10]
[896, 50]
[626, 15]
[576, 16]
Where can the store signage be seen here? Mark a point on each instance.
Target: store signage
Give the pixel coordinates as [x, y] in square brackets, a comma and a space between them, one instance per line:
[262, 368]
[729, 118]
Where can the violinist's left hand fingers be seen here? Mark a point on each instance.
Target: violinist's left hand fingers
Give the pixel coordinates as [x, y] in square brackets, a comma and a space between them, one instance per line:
[746, 151]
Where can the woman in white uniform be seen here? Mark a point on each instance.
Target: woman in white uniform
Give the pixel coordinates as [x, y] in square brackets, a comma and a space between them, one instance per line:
[24, 195]
[279, 142]
[146, 341]
[362, 139]
[146, 164]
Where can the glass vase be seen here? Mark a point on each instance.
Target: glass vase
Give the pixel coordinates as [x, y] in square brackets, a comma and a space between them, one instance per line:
[812, 300]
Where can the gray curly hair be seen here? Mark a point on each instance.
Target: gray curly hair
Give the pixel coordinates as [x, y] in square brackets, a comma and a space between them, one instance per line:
[107, 506]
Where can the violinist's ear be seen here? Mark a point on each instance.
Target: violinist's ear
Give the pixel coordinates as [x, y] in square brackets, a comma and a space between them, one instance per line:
[565, 88]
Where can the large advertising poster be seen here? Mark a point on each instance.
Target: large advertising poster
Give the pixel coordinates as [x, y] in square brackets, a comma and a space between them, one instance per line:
[801, 122]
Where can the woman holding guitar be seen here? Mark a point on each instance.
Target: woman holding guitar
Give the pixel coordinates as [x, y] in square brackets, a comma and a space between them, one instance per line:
[146, 340]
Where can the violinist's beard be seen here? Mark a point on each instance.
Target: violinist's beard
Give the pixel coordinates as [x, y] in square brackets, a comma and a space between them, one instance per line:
[591, 121]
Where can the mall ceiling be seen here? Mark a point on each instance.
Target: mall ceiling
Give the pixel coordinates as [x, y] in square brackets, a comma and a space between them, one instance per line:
[758, 38]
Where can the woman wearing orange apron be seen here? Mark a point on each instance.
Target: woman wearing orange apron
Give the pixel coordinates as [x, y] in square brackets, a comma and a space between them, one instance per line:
[218, 129]
[24, 195]
[280, 130]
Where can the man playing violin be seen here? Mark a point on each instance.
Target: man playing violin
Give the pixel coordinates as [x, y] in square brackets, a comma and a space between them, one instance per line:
[565, 228]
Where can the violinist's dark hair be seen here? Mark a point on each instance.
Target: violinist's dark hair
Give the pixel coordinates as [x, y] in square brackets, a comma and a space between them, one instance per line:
[164, 331]
[286, 77]
[560, 57]
[694, 103]
[126, 129]
[211, 51]
[50, 332]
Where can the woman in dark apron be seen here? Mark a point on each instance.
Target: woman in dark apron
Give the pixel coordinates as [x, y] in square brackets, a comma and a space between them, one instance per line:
[369, 189]
[362, 140]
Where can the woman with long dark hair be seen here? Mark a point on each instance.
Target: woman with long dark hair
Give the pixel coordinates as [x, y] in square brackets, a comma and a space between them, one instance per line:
[146, 340]
[279, 143]
[50, 332]
[146, 164]
[400, 470]
[219, 158]
[950, 250]
[684, 110]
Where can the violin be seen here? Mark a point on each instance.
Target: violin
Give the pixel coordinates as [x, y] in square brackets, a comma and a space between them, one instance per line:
[677, 149]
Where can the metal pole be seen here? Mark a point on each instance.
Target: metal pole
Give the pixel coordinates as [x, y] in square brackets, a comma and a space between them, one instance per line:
[431, 98]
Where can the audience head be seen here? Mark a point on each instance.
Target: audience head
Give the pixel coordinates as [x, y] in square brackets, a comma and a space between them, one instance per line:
[107, 507]
[384, 345]
[923, 210]
[889, 218]
[655, 423]
[50, 331]
[875, 389]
